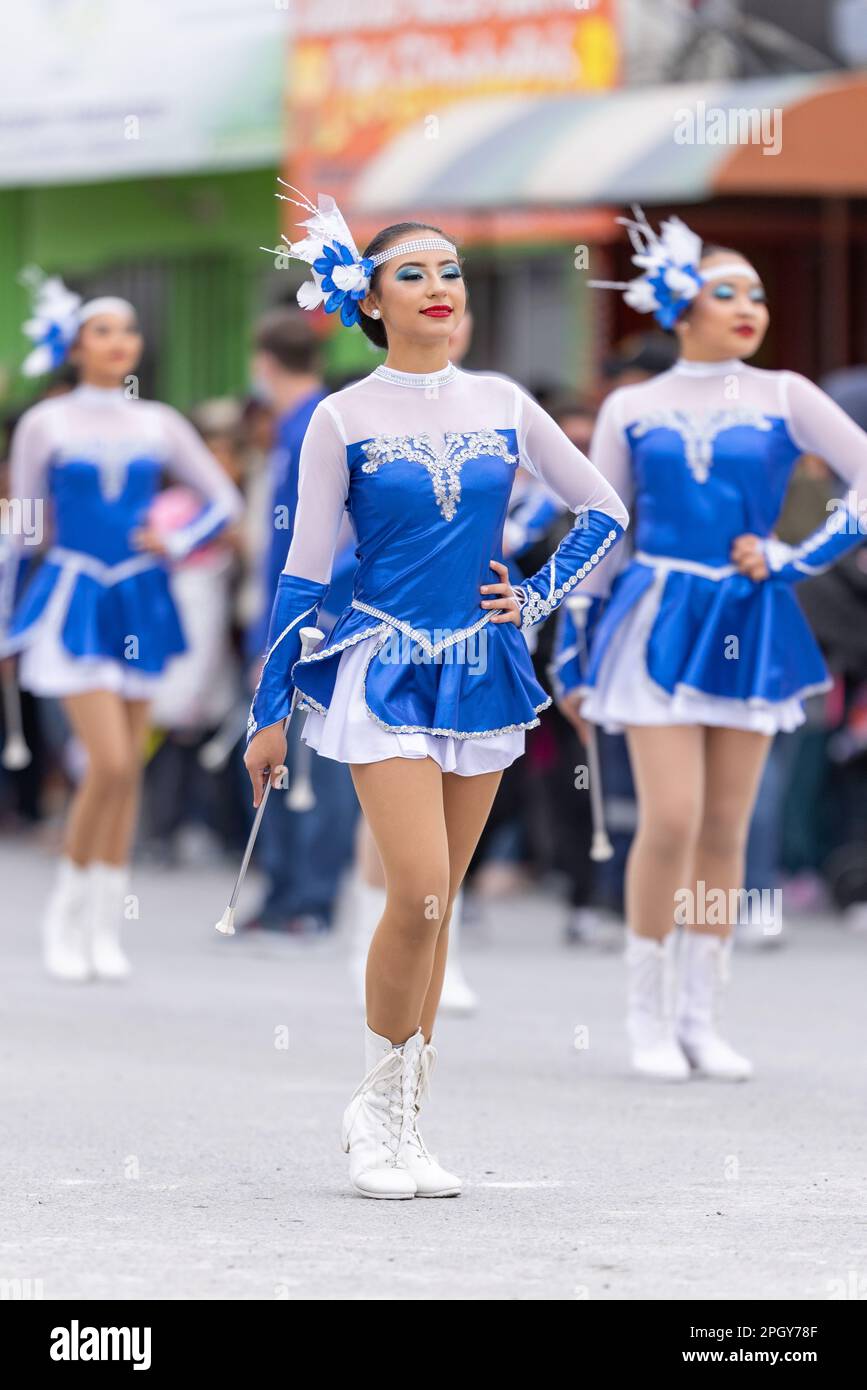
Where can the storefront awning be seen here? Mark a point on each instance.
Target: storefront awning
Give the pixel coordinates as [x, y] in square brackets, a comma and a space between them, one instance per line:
[795, 134]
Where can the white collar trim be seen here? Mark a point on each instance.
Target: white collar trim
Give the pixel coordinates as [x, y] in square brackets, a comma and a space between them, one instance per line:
[99, 395]
[730, 364]
[417, 379]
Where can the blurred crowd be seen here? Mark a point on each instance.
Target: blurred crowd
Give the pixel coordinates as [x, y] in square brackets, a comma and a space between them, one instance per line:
[809, 832]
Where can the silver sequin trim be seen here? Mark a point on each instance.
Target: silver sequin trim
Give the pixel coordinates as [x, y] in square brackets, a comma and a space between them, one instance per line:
[446, 733]
[425, 243]
[421, 380]
[251, 722]
[432, 648]
[307, 701]
[536, 608]
[699, 430]
[339, 646]
[444, 469]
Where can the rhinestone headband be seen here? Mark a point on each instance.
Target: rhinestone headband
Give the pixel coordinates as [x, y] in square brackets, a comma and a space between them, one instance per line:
[722, 272]
[428, 243]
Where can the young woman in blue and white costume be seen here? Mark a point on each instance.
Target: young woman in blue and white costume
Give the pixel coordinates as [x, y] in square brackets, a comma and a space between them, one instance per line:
[424, 686]
[702, 653]
[96, 625]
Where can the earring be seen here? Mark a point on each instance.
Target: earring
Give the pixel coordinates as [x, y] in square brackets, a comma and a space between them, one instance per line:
[374, 313]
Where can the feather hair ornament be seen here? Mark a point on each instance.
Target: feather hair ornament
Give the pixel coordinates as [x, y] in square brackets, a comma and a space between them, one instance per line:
[668, 260]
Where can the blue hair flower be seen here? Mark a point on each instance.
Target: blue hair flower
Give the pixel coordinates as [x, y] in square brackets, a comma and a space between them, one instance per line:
[672, 302]
[332, 265]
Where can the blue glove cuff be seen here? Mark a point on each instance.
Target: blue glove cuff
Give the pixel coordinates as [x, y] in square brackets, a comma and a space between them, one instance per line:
[791, 563]
[589, 541]
[295, 600]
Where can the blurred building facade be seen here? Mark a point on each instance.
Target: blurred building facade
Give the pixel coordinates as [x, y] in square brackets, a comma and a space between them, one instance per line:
[139, 150]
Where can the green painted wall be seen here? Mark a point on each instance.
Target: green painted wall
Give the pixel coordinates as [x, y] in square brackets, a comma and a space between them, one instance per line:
[196, 238]
[201, 233]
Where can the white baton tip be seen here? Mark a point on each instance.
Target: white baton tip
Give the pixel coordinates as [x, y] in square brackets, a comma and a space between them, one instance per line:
[601, 848]
[16, 754]
[226, 924]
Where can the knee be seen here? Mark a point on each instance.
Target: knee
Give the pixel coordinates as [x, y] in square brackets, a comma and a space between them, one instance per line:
[723, 833]
[671, 830]
[114, 775]
[419, 898]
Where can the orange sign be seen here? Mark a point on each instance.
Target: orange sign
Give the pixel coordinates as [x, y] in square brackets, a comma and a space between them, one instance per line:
[360, 73]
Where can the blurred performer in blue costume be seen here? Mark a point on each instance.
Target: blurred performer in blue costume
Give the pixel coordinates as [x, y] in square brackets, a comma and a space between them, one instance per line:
[97, 624]
[702, 652]
[302, 854]
[424, 686]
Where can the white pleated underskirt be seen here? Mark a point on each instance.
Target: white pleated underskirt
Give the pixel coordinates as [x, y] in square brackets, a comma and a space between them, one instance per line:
[625, 694]
[47, 669]
[350, 734]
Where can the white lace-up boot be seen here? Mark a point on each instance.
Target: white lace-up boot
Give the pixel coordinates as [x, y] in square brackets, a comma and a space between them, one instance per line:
[374, 1121]
[109, 890]
[650, 996]
[432, 1180]
[705, 971]
[65, 944]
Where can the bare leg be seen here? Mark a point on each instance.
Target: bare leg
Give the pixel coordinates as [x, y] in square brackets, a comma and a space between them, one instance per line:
[402, 802]
[100, 720]
[734, 760]
[367, 860]
[118, 845]
[668, 770]
[467, 802]
[733, 766]
[426, 825]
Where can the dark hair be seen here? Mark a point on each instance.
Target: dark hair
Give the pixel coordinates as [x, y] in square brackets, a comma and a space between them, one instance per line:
[286, 335]
[711, 249]
[641, 352]
[561, 407]
[374, 329]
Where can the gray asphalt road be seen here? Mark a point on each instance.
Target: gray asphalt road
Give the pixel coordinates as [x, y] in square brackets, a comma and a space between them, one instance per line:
[178, 1136]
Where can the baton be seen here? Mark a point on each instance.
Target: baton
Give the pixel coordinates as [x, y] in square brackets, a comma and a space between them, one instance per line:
[16, 754]
[601, 847]
[310, 638]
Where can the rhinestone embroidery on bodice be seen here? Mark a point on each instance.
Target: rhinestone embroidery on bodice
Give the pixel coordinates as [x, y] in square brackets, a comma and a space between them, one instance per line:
[444, 468]
[699, 430]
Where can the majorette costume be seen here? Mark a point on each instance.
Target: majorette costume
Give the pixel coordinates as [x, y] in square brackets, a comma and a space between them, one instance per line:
[414, 667]
[703, 454]
[98, 614]
[425, 464]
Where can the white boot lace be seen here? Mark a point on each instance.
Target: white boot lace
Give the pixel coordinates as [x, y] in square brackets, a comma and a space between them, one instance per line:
[381, 1091]
[652, 986]
[418, 1086]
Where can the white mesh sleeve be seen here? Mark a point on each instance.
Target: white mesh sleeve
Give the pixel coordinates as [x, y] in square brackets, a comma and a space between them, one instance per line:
[190, 461]
[548, 453]
[31, 453]
[27, 504]
[611, 455]
[323, 489]
[819, 426]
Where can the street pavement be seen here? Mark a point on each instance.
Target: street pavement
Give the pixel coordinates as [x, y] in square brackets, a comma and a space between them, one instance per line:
[177, 1136]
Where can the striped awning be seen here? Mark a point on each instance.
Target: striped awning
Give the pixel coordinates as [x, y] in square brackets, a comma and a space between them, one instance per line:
[628, 145]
